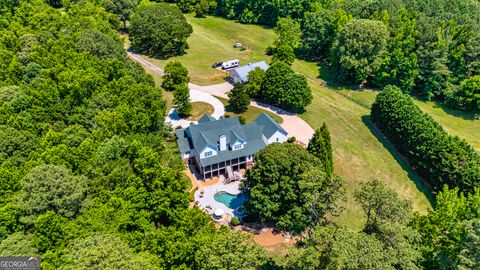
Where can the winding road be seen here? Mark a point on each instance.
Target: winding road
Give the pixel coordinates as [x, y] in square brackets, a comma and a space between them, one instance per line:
[294, 125]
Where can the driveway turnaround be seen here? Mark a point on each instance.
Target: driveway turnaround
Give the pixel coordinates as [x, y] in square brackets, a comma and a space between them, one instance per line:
[196, 96]
[294, 125]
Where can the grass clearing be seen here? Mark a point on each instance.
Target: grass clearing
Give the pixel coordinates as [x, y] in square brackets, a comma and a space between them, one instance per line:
[199, 109]
[360, 153]
[212, 41]
[455, 122]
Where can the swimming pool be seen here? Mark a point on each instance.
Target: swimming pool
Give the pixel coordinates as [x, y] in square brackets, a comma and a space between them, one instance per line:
[231, 201]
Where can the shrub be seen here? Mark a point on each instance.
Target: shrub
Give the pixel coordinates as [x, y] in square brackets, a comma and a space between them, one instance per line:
[191, 195]
[242, 119]
[235, 221]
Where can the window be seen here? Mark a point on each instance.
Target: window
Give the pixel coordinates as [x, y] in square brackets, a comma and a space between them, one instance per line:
[207, 154]
[237, 146]
[277, 139]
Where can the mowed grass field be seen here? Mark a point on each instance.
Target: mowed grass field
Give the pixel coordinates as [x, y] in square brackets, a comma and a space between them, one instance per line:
[212, 41]
[360, 153]
[455, 122]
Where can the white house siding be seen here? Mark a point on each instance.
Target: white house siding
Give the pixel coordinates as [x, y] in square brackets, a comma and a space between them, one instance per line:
[235, 144]
[186, 155]
[202, 154]
[277, 137]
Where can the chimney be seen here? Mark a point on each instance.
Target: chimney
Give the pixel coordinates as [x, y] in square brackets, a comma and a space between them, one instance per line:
[223, 142]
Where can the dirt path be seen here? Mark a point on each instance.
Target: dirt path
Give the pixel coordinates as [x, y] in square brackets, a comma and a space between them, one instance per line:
[293, 124]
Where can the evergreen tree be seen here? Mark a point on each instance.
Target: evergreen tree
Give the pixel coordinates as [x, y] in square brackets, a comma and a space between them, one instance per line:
[328, 150]
[320, 145]
[181, 98]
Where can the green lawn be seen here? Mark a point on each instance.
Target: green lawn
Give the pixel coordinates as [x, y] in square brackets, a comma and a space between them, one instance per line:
[360, 153]
[251, 114]
[199, 109]
[212, 41]
[455, 122]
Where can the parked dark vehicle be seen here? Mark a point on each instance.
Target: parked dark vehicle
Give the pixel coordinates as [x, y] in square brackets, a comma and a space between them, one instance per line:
[217, 64]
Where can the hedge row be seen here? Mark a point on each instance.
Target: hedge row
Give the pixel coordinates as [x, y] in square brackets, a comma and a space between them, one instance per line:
[438, 157]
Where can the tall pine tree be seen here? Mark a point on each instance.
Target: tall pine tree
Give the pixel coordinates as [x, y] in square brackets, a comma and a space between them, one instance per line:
[321, 146]
[328, 151]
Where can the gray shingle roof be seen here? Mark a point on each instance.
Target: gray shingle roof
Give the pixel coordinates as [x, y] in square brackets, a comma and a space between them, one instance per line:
[206, 118]
[254, 144]
[207, 133]
[182, 141]
[268, 126]
[244, 70]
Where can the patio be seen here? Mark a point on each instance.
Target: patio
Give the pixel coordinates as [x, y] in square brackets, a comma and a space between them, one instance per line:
[205, 198]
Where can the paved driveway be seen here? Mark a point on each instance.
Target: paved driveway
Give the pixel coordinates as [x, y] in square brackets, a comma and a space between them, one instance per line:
[196, 96]
[294, 125]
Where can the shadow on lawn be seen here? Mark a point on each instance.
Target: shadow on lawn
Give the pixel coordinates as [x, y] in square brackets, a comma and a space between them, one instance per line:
[455, 112]
[420, 183]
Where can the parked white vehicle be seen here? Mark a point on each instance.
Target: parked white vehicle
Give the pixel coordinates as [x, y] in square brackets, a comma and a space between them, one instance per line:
[230, 64]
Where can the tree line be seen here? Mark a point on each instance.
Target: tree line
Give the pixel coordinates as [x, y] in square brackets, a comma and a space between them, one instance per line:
[440, 158]
[428, 48]
[88, 175]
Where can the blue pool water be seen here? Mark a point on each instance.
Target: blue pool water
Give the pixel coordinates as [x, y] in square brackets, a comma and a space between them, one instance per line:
[232, 201]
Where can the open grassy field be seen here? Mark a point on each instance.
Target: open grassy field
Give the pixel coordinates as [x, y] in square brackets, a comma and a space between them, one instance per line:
[360, 153]
[212, 41]
[455, 122]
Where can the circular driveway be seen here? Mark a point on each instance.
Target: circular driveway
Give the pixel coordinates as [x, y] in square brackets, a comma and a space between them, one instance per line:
[196, 96]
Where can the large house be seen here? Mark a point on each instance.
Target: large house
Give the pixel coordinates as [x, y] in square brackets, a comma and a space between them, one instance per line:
[240, 74]
[216, 147]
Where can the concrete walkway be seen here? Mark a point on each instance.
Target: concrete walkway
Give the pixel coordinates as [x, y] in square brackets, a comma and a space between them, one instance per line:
[294, 125]
[196, 96]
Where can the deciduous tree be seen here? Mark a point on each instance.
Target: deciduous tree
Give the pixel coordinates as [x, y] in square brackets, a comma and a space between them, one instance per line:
[284, 88]
[53, 188]
[175, 74]
[231, 250]
[238, 98]
[182, 100]
[359, 50]
[159, 29]
[255, 79]
[288, 187]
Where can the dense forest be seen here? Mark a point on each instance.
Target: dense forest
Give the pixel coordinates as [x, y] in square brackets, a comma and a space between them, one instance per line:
[86, 174]
[89, 178]
[429, 48]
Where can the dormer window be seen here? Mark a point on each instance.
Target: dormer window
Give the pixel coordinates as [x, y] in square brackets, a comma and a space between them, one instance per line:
[207, 154]
[237, 146]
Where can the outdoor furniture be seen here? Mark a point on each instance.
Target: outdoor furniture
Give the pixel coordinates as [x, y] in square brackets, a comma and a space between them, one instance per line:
[219, 212]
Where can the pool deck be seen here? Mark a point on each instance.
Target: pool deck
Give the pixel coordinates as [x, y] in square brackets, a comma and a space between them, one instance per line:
[209, 193]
